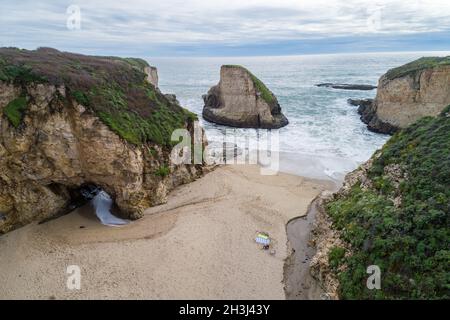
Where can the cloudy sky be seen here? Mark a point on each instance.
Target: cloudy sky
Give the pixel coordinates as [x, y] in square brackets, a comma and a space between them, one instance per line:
[226, 27]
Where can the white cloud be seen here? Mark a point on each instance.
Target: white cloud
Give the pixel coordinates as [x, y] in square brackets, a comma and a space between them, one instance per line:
[134, 22]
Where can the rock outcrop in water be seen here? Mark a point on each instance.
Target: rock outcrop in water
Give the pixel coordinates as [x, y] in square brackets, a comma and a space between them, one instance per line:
[366, 108]
[69, 120]
[359, 102]
[346, 86]
[242, 100]
[392, 213]
[407, 93]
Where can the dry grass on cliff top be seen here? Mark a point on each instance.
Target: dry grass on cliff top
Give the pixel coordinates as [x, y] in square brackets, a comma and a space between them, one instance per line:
[113, 88]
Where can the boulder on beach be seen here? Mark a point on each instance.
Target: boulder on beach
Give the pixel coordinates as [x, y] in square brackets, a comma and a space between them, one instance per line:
[242, 100]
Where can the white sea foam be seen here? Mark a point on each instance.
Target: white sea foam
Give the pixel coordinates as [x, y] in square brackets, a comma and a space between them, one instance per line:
[323, 129]
[102, 203]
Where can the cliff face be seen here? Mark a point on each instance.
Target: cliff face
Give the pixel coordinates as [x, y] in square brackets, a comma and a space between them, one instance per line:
[328, 240]
[242, 100]
[152, 75]
[56, 138]
[392, 212]
[408, 93]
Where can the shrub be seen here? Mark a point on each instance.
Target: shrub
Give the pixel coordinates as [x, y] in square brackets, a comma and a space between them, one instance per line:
[162, 171]
[153, 152]
[446, 111]
[20, 74]
[15, 110]
[335, 256]
[410, 243]
[81, 98]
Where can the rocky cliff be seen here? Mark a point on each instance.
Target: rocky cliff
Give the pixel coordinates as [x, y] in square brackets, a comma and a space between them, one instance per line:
[69, 120]
[392, 212]
[152, 75]
[408, 93]
[242, 100]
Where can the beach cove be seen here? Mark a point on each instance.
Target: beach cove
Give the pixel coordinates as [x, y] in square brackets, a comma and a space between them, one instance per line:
[198, 245]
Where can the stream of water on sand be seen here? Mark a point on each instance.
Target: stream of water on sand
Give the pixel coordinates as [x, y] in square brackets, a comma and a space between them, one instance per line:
[298, 281]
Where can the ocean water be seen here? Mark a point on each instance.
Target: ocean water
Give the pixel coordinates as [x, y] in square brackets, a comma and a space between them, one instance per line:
[325, 137]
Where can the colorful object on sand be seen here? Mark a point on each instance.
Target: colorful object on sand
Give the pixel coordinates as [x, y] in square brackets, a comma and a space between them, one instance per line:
[262, 238]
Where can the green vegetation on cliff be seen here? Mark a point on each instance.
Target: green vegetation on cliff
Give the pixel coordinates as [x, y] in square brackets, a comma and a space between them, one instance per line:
[266, 95]
[112, 88]
[409, 241]
[414, 67]
[135, 62]
[15, 109]
[20, 74]
[162, 171]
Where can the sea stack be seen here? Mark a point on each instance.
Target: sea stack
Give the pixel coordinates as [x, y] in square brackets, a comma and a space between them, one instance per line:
[242, 100]
[407, 93]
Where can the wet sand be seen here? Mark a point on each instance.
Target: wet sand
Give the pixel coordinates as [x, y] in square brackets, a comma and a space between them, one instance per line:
[200, 245]
[299, 284]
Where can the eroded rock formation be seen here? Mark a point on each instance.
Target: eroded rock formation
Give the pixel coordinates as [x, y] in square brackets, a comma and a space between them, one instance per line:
[367, 111]
[242, 100]
[152, 75]
[58, 133]
[408, 93]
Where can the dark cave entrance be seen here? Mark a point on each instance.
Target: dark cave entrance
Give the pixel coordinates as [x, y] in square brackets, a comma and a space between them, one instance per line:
[100, 205]
[98, 202]
[78, 197]
[82, 195]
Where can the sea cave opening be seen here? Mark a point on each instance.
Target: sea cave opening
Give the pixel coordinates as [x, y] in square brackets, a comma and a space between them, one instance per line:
[96, 199]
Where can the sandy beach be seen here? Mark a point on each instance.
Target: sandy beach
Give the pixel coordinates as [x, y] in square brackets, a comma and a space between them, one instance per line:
[199, 245]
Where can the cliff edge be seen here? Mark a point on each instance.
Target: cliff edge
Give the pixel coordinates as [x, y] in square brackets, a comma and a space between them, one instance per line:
[407, 93]
[69, 120]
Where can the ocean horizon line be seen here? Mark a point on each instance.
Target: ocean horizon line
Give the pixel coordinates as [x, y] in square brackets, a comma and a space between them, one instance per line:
[297, 55]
